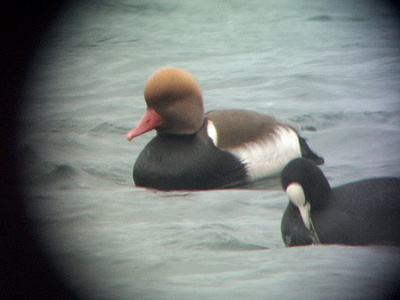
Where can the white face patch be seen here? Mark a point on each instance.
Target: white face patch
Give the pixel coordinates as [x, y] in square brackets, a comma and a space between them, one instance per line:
[296, 195]
[212, 132]
[267, 157]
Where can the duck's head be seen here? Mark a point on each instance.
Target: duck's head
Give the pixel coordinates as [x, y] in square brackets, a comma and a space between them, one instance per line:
[174, 104]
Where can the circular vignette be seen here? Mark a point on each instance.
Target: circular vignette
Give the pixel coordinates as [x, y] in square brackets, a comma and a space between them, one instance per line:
[26, 272]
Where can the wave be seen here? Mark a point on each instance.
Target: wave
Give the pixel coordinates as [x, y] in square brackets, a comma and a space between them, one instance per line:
[108, 127]
[228, 244]
[63, 175]
[388, 119]
[127, 6]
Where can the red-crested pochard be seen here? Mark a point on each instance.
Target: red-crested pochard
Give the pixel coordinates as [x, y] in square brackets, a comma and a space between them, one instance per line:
[193, 150]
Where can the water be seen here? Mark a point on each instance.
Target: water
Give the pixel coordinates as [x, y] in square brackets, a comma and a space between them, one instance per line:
[327, 64]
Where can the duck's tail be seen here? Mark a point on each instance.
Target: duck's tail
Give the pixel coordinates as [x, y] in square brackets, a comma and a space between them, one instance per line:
[306, 152]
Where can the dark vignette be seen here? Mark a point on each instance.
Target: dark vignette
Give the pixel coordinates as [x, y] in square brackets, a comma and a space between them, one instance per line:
[25, 271]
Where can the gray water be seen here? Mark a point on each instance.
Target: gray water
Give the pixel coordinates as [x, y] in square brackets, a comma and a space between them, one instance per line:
[333, 65]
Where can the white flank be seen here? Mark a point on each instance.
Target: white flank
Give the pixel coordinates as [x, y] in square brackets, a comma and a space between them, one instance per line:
[267, 157]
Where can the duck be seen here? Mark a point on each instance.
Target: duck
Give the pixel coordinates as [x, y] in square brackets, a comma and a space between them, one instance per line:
[363, 212]
[193, 150]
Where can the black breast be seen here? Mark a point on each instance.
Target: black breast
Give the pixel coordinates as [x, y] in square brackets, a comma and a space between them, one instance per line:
[176, 162]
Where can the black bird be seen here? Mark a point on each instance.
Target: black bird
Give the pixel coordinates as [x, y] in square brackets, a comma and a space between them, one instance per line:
[358, 213]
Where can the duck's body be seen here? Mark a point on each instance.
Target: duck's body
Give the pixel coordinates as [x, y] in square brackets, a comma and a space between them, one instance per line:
[359, 213]
[192, 162]
[218, 149]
